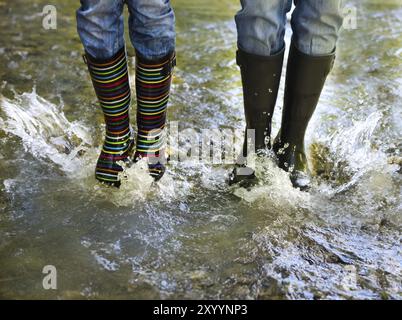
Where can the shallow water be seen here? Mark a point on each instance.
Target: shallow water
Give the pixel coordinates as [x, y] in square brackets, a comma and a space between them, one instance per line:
[190, 235]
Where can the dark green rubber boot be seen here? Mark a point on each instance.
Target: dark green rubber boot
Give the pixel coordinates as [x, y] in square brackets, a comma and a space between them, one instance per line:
[261, 76]
[305, 78]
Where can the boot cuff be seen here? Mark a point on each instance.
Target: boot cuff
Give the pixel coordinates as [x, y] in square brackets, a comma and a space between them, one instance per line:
[243, 57]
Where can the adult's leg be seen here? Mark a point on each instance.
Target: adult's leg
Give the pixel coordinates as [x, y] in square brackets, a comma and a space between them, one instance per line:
[315, 27]
[261, 26]
[261, 29]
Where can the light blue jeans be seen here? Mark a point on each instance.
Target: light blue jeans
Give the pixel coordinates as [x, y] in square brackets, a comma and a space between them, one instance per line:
[100, 25]
[315, 24]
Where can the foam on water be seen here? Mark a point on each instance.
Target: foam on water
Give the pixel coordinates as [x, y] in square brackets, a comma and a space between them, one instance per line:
[339, 261]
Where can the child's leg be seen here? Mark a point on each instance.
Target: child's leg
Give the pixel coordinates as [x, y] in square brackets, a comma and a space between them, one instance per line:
[100, 25]
[152, 28]
[152, 32]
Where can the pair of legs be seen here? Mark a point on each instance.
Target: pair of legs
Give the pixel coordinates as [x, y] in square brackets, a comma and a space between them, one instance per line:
[100, 26]
[261, 28]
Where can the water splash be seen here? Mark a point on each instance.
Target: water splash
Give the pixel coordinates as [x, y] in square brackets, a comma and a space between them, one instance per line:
[273, 188]
[48, 135]
[353, 146]
[349, 161]
[46, 132]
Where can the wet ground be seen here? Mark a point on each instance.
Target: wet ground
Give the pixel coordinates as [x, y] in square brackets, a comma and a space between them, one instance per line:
[191, 235]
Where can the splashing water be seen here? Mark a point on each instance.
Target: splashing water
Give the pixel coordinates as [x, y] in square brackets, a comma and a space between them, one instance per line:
[353, 146]
[46, 133]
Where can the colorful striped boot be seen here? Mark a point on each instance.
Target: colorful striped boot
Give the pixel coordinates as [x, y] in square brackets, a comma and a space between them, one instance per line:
[112, 87]
[153, 79]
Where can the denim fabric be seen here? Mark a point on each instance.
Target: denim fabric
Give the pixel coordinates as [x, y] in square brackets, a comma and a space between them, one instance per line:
[100, 26]
[315, 24]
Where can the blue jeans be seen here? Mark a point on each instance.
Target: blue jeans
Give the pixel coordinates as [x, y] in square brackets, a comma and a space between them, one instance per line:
[100, 26]
[315, 25]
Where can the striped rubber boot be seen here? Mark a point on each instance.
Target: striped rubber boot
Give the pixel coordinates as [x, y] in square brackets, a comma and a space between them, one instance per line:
[111, 82]
[153, 79]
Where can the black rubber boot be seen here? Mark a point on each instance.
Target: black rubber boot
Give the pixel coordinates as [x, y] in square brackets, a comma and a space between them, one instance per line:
[305, 78]
[261, 76]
